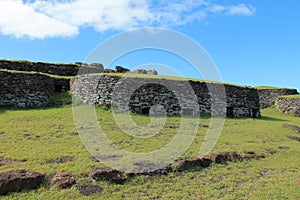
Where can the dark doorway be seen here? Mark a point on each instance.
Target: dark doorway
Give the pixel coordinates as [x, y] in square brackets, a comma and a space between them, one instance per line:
[58, 88]
[230, 112]
[255, 113]
[145, 110]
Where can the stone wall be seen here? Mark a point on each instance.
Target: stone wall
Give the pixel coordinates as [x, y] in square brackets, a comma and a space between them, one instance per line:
[287, 105]
[49, 68]
[27, 90]
[267, 97]
[146, 95]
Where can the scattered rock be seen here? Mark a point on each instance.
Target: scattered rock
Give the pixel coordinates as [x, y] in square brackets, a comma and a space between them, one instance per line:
[150, 169]
[61, 160]
[4, 161]
[294, 138]
[284, 148]
[253, 155]
[63, 180]
[18, 180]
[152, 72]
[225, 156]
[88, 190]
[119, 69]
[2, 132]
[109, 71]
[107, 174]
[191, 163]
[139, 71]
[270, 151]
[293, 127]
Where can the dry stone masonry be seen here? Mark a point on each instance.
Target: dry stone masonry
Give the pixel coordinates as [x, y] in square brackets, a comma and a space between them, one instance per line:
[49, 68]
[146, 95]
[267, 97]
[287, 105]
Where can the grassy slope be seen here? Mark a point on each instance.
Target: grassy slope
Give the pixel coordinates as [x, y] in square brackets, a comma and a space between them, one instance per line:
[53, 135]
[296, 96]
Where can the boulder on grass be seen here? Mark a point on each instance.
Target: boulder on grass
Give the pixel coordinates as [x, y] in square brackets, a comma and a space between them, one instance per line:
[18, 180]
[108, 174]
[63, 180]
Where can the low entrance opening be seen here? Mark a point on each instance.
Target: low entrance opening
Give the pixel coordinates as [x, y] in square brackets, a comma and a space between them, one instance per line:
[145, 110]
[230, 112]
[58, 88]
[254, 113]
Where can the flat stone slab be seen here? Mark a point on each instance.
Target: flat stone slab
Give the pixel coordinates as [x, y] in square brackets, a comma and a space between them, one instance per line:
[89, 190]
[293, 127]
[5, 161]
[18, 180]
[63, 180]
[107, 174]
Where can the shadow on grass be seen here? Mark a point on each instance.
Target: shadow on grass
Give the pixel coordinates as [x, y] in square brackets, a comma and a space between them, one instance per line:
[267, 118]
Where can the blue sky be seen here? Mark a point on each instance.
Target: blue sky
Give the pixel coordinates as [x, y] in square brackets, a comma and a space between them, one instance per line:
[252, 42]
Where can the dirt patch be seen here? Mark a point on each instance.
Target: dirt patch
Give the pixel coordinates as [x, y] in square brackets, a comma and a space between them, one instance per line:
[89, 190]
[2, 132]
[4, 161]
[293, 127]
[298, 181]
[284, 148]
[294, 138]
[150, 169]
[64, 159]
[29, 136]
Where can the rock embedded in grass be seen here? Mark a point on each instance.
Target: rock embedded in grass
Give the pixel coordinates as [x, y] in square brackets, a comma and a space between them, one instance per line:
[5, 161]
[107, 174]
[189, 163]
[89, 190]
[225, 156]
[18, 180]
[293, 127]
[63, 180]
[63, 159]
[294, 138]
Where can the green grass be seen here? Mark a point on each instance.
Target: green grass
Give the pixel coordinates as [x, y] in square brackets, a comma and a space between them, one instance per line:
[268, 88]
[52, 135]
[296, 96]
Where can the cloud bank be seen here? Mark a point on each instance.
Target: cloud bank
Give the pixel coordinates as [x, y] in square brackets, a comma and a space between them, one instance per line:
[39, 19]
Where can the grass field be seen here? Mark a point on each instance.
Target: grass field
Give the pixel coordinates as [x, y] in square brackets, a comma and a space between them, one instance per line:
[45, 134]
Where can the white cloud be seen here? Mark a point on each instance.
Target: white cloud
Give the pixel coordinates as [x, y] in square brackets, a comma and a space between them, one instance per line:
[20, 20]
[64, 18]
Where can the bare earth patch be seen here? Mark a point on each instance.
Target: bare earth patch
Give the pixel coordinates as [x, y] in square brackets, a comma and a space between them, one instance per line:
[88, 190]
[294, 138]
[4, 161]
[293, 127]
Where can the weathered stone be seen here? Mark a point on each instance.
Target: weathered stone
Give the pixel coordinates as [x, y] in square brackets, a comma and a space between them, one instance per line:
[267, 97]
[152, 72]
[89, 190]
[192, 162]
[50, 68]
[287, 105]
[293, 127]
[225, 156]
[4, 161]
[294, 138]
[108, 174]
[63, 180]
[18, 180]
[119, 69]
[123, 93]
